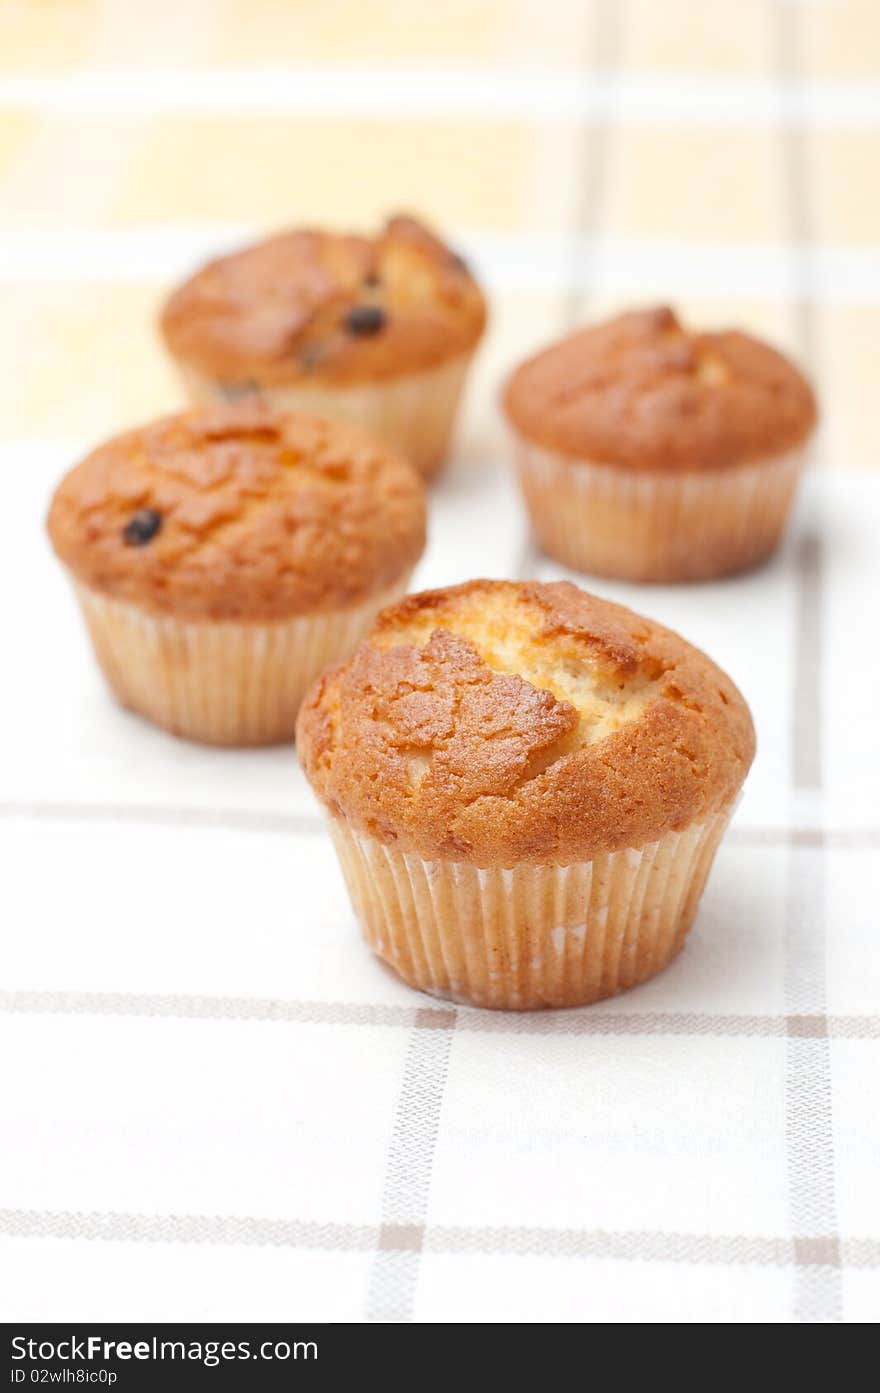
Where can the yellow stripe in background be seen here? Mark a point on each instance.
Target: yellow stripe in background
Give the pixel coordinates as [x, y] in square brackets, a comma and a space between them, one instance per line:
[839, 38]
[695, 184]
[844, 180]
[47, 34]
[270, 169]
[711, 37]
[542, 33]
[17, 130]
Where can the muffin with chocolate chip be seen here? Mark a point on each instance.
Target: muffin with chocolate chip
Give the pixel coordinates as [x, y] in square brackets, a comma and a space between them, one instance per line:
[378, 331]
[526, 786]
[223, 557]
[652, 452]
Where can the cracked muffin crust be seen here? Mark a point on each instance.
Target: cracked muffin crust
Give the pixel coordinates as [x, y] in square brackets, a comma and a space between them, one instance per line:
[497, 723]
[318, 308]
[643, 391]
[238, 513]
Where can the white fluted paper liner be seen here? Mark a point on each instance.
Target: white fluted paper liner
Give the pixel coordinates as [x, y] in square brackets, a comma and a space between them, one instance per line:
[414, 413]
[656, 526]
[532, 935]
[220, 682]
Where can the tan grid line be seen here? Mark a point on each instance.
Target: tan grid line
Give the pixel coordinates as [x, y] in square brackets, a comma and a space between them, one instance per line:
[231, 819]
[818, 1290]
[565, 1023]
[806, 751]
[395, 1270]
[603, 58]
[221, 1229]
[600, 59]
[403, 1242]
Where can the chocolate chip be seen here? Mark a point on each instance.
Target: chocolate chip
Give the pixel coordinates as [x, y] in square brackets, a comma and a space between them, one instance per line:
[365, 319]
[142, 527]
[310, 355]
[372, 279]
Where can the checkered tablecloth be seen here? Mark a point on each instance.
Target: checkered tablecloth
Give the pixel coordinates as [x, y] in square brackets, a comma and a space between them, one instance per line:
[215, 1103]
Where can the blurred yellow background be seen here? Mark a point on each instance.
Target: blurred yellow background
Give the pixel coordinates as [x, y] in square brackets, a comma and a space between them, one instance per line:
[585, 154]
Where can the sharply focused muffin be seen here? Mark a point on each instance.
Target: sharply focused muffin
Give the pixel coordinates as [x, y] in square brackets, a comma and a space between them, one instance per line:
[223, 557]
[526, 786]
[653, 452]
[376, 330]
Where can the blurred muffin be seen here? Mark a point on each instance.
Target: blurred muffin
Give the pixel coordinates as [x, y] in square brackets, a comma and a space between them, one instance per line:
[223, 557]
[651, 452]
[526, 786]
[378, 331]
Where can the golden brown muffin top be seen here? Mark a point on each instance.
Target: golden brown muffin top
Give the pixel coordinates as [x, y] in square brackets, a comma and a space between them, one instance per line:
[499, 722]
[327, 308]
[645, 392]
[240, 513]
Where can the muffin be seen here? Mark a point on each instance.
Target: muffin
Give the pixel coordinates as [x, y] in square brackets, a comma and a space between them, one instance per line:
[223, 557]
[650, 452]
[378, 331]
[526, 786]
